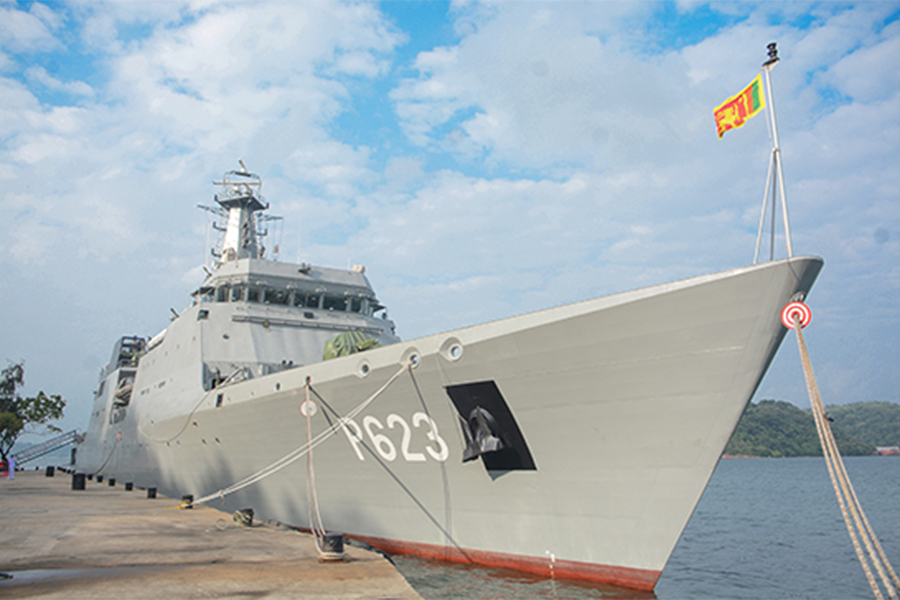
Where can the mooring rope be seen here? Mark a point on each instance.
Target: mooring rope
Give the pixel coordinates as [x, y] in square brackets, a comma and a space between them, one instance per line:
[109, 456]
[300, 452]
[190, 416]
[187, 421]
[855, 519]
[316, 525]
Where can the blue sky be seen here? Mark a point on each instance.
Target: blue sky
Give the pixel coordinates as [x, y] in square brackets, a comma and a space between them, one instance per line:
[481, 159]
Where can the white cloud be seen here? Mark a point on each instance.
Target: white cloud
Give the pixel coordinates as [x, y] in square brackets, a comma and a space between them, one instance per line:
[39, 75]
[870, 74]
[548, 157]
[22, 31]
[546, 88]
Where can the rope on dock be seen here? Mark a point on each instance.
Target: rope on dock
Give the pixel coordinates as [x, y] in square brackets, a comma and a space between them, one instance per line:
[312, 498]
[302, 451]
[857, 524]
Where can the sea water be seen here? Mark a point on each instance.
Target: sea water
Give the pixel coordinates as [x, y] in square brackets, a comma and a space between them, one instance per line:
[764, 529]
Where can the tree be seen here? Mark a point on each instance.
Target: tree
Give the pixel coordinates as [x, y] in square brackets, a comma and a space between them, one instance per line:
[775, 428]
[875, 423]
[17, 413]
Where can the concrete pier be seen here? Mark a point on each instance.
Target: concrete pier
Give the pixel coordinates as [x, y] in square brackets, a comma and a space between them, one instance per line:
[105, 542]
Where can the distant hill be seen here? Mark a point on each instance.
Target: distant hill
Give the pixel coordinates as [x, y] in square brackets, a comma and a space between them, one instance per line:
[775, 428]
[876, 423]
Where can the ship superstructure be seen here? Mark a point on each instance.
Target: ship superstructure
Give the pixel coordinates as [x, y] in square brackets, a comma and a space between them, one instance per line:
[251, 317]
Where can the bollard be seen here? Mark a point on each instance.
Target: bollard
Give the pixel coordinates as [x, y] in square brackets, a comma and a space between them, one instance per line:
[243, 517]
[333, 543]
[129, 486]
[187, 501]
[151, 492]
[99, 478]
[78, 481]
[49, 472]
[90, 476]
[112, 482]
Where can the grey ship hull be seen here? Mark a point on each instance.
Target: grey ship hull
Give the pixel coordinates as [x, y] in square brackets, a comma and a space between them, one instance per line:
[625, 404]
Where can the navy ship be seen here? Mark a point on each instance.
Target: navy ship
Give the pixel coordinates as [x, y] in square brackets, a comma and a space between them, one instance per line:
[570, 442]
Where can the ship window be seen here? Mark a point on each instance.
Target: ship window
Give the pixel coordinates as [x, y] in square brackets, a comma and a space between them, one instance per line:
[304, 300]
[275, 296]
[356, 304]
[237, 293]
[252, 294]
[334, 303]
[222, 293]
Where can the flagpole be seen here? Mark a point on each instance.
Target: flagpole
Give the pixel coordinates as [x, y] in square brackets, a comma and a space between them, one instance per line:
[762, 214]
[776, 147]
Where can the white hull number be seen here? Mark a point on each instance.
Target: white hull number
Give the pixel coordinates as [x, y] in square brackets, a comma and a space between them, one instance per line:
[436, 449]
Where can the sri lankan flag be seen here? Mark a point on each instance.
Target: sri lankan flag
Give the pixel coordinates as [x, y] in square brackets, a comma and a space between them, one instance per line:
[738, 109]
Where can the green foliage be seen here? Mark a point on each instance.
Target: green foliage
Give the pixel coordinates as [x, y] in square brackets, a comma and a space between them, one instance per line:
[774, 428]
[875, 423]
[17, 413]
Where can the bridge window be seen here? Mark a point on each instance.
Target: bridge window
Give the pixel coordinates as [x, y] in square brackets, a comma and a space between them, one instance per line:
[252, 294]
[304, 300]
[335, 303]
[237, 293]
[275, 296]
[222, 293]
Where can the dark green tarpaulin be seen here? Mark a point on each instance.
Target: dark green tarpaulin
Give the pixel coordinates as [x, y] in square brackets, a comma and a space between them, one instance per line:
[348, 342]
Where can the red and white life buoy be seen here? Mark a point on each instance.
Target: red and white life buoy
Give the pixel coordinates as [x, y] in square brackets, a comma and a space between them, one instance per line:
[795, 309]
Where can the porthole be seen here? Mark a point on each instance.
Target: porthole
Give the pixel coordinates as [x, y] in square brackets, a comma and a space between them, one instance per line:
[452, 349]
[277, 386]
[363, 369]
[411, 357]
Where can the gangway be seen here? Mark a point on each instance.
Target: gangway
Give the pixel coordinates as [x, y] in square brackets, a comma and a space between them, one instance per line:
[60, 441]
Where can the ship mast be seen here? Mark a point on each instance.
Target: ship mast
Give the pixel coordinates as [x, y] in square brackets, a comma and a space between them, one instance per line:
[240, 196]
[776, 174]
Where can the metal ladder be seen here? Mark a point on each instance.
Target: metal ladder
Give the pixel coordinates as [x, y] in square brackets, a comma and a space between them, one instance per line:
[60, 441]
